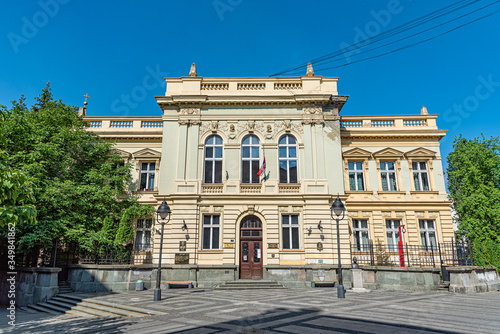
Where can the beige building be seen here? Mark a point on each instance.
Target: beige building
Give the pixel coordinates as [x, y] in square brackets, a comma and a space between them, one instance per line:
[204, 153]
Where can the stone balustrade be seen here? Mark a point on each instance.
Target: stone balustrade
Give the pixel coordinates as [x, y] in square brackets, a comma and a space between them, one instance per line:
[409, 122]
[125, 124]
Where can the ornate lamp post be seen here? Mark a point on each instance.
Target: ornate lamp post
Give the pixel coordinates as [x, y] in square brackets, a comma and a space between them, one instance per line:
[338, 209]
[162, 213]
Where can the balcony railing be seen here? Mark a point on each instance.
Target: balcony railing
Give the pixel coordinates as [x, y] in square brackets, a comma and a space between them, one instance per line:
[384, 122]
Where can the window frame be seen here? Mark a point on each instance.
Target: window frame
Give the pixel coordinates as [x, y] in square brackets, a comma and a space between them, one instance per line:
[148, 172]
[290, 226]
[288, 159]
[250, 159]
[387, 172]
[419, 173]
[428, 247]
[211, 226]
[213, 159]
[356, 171]
[360, 247]
[143, 229]
[394, 230]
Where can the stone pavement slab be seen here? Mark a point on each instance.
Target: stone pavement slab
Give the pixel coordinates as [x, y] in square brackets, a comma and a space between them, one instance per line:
[281, 311]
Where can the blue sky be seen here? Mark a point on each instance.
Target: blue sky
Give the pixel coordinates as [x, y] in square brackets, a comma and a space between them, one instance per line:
[109, 49]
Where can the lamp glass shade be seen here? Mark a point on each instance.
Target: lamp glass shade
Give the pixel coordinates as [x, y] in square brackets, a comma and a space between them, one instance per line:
[163, 210]
[337, 207]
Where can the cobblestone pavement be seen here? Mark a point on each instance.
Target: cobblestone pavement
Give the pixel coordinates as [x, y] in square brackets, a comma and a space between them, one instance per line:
[282, 311]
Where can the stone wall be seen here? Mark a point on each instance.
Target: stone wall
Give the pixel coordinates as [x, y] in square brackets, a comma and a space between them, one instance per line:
[33, 285]
[472, 279]
[397, 278]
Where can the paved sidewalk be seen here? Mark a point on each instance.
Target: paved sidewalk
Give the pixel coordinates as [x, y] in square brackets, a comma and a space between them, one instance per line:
[282, 311]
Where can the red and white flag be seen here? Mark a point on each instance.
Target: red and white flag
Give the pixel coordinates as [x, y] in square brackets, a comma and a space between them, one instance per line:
[262, 169]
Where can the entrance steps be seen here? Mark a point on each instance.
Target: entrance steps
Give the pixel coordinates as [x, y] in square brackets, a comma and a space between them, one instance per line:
[89, 307]
[248, 284]
[444, 286]
[64, 287]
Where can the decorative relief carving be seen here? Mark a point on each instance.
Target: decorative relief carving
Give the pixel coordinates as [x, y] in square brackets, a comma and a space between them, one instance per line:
[213, 126]
[204, 127]
[183, 121]
[190, 111]
[288, 125]
[312, 110]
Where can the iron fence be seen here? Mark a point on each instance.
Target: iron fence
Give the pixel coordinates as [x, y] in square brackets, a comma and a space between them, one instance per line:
[441, 254]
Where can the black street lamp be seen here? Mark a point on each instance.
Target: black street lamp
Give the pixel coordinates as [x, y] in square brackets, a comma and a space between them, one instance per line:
[162, 213]
[338, 209]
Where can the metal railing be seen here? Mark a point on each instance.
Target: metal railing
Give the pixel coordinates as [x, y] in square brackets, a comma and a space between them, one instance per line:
[442, 254]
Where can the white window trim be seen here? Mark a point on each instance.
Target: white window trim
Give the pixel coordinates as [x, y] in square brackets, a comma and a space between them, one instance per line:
[211, 226]
[250, 159]
[290, 227]
[394, 229]
[213, 159]
[144, 229]
[426, 230]
[386, 172]
[148, 173]
[360, 246]
[287, 145]
[356, 172]
[419, 173]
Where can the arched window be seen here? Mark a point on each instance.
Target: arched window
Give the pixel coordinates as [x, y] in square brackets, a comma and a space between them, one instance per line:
[250, 160]
[213, 160]
[287, 147]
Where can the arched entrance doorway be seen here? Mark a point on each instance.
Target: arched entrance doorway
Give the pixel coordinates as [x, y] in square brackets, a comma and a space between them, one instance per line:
[251, 248]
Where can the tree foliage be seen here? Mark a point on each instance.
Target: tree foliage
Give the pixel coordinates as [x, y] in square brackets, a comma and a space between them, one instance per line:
[77, 180]
[474, 186]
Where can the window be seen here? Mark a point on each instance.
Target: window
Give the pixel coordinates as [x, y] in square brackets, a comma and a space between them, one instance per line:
[428, 235]
[290, 228]
[360, 234]
[356, 181]
[213, 160]
[143, 235]
[211, 231]
[147, 176]
[250, 159]
[388, 175]
[287, 147]
[420, 175]
[392, 230]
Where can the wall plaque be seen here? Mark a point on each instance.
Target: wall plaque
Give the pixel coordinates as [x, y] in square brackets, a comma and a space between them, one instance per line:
[272, 246]
[182, 246]
[181, 258]
[228, 245]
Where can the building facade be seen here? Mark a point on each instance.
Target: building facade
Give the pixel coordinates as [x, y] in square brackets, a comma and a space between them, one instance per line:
[250, 167]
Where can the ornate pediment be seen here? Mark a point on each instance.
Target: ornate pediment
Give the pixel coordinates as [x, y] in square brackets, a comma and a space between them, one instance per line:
[147, 153]
[420, 153]
[357, 153]
[389, 153]
[122, 153]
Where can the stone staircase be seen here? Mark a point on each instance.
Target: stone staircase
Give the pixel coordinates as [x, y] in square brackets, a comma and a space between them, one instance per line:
[444, 286]
[88, 307]
[64, 287]
[249, 285]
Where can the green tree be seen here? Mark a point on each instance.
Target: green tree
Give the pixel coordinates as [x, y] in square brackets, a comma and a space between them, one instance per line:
[474, 186]
[76, 178]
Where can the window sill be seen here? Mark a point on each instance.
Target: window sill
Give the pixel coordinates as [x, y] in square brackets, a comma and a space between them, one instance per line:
[154, 192]
[364, 192]
[211, 251]
[426, 192]
[292, 251]
[391, 192]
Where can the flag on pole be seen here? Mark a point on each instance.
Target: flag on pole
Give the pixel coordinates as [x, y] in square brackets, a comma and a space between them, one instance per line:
[262, 168]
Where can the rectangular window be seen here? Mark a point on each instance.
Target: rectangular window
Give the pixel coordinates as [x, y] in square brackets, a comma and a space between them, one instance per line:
[143, 235]
[211, 231]
[392, 230]
[290, 229]
[428, 235]
[356, 179]
[420, 175]
[147, 177]
[388, 175]
[360, 234]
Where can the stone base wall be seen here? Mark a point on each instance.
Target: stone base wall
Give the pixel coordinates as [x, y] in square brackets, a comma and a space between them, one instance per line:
[32, 285]
[472, 279]
[397, 278]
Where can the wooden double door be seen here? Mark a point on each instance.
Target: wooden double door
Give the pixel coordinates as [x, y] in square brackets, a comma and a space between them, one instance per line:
[251, 248]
